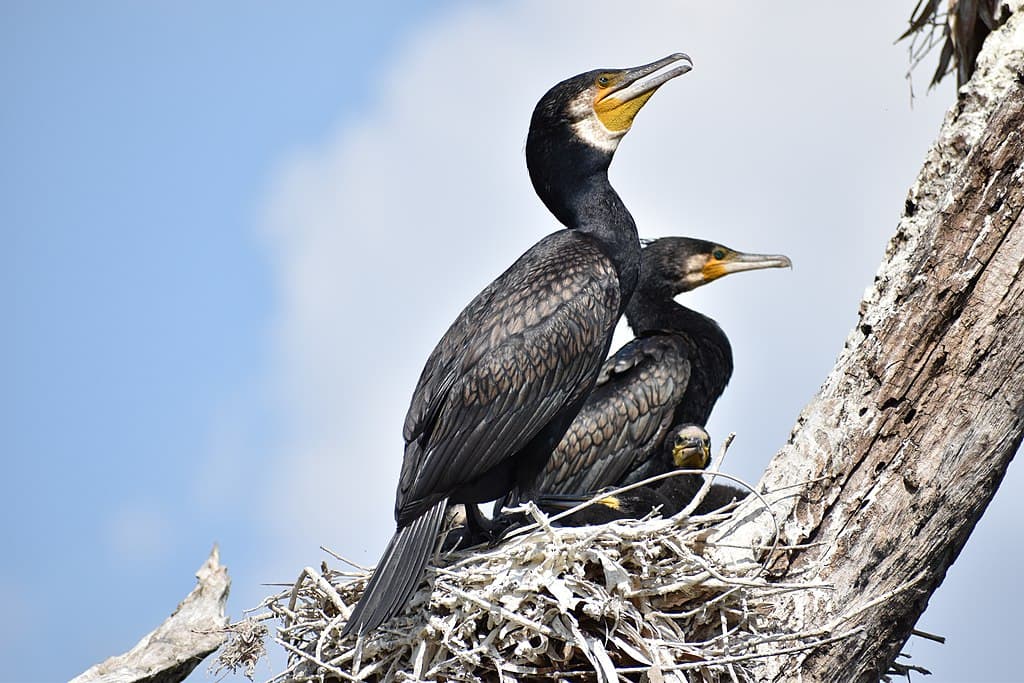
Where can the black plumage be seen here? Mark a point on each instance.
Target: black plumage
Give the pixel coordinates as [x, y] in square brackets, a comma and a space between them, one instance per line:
[719, 495]
[686, 447]
[509, 375]
[634, 504]
[672, 373]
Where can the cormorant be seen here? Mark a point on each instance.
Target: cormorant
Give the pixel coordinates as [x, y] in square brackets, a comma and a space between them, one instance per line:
[510, 374]
[686, 447]
[672, 373]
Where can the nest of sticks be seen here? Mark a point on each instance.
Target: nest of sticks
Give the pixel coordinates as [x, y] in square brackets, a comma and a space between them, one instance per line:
[635, 600]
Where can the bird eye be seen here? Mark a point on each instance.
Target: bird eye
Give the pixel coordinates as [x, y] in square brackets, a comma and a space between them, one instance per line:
[719, 254]
[603, 81]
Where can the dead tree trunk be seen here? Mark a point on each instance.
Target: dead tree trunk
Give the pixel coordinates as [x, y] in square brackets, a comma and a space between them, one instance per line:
[896, 458]
[175, 648]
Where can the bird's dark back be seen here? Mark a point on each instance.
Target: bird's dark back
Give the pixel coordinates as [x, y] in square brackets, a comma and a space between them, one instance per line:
[520, 356]
[631, 409]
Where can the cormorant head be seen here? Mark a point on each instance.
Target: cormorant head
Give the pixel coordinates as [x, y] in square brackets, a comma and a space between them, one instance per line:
[673, 265]
[599, 106]
[578, 123]
[690, 446]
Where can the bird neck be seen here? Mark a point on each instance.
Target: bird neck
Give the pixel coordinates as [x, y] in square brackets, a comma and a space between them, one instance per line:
[566, 172]
[571, 178]
[656, 312]
[597, 211]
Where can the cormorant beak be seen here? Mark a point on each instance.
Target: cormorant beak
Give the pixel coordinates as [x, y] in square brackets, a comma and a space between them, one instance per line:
[628, 90]
[737, 261]
[691, 453]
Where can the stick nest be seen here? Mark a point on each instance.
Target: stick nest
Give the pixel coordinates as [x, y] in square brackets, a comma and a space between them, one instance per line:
[631, 600]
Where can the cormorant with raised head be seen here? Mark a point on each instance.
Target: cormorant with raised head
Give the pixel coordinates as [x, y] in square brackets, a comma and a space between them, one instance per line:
[510, 374]
[672, 373]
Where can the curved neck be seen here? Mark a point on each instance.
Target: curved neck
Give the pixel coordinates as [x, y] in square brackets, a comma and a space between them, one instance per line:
[596, 210]
[652, 312]
[563, 168]
[571, 178]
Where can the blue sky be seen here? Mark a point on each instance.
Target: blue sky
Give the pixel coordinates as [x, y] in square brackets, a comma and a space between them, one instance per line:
[232, 233]
[139, 140]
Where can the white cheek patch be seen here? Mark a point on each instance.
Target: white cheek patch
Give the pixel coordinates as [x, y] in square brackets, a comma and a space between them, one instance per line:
[593, 132]
[588, 127]
[695, 271]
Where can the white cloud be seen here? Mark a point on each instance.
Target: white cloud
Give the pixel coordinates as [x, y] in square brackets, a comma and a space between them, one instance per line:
[788, 136]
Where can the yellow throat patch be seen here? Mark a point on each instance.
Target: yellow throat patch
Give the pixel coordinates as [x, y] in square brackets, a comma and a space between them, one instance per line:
[617, 115]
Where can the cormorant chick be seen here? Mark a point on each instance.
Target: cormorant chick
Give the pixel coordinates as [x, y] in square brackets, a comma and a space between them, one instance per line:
[688, 447]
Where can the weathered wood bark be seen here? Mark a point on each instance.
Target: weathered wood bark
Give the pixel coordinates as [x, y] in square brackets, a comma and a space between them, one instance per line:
[898, 455]
[172, 651]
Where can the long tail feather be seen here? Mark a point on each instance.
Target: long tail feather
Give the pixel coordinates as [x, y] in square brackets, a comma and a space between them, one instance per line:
[398, 572]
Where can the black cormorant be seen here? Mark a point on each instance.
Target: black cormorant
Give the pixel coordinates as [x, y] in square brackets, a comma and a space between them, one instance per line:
[686, 447]
[670, 374]
[510, 374]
